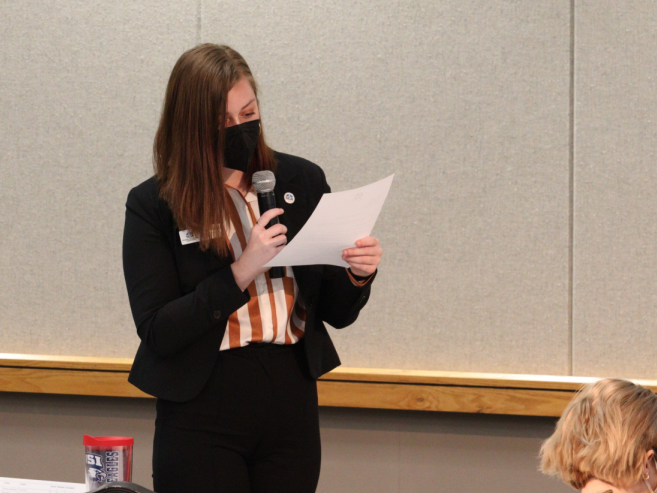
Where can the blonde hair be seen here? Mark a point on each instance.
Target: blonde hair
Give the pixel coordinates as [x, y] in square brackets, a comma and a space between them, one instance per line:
[604, 433]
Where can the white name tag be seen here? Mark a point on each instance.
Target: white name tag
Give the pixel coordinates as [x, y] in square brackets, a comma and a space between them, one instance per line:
[186, 237]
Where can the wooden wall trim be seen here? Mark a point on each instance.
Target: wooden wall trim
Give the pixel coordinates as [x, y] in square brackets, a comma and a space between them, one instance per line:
[513, 394]
[65, 362]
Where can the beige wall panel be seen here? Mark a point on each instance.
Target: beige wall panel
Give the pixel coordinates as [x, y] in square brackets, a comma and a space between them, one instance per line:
[467, 102]
[80, 95]
[615, 294]
[360, 452]
[431, 452]
[412, 452]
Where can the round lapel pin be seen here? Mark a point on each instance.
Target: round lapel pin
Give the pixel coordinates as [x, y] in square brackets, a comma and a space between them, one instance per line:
[289, 198]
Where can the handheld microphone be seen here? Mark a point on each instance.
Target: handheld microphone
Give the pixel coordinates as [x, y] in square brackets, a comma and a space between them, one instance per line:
[264, 183]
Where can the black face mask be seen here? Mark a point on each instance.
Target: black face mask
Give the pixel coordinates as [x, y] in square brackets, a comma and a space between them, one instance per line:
[241, 141]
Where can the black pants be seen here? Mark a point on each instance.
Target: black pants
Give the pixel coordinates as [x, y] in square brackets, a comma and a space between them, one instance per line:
[253, 429]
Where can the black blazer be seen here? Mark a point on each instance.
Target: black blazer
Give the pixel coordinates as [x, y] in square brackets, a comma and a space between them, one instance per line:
[181, 297]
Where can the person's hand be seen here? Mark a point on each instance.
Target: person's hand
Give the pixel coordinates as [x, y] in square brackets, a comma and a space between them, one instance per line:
[364, 259]
[264, 244]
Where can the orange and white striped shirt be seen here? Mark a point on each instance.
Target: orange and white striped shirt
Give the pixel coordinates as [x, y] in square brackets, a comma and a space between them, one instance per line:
[274, 313]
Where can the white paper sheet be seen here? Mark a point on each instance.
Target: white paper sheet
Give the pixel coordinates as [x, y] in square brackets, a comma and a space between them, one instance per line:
[339, 220]
[14, 485]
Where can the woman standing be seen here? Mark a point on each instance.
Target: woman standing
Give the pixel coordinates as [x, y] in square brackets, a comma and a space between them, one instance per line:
[231, 354]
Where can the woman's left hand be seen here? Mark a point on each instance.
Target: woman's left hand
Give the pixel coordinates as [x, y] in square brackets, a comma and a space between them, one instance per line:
[364, 259]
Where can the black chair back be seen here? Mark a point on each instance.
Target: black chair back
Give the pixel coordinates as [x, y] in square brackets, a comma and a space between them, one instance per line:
[121, 487]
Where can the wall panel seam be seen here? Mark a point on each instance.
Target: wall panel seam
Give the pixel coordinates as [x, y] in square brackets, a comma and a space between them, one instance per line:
[199, 21]
[571, 191]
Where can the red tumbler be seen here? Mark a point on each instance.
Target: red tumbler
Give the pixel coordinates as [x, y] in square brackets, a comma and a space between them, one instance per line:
[108, 459]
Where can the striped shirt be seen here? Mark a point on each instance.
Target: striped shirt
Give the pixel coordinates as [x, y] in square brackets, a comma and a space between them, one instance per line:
[274, 313]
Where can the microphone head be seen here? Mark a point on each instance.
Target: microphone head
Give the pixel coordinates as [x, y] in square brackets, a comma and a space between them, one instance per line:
[263, 181]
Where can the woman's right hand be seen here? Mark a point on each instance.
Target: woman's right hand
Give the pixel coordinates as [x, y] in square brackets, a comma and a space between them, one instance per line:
[264, 244]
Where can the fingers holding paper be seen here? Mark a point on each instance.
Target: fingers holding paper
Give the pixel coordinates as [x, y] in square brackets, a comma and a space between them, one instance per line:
[365, 257]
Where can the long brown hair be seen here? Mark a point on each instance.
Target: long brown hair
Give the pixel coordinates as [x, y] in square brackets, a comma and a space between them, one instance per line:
[188, 151]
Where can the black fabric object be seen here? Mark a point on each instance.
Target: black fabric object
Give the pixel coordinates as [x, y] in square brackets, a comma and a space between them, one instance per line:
[181, 297]
[121, 487]
[254, 428]
[240, 145]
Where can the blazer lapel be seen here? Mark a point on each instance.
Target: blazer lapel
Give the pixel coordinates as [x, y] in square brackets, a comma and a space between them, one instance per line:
[296, 213]
[295, 216]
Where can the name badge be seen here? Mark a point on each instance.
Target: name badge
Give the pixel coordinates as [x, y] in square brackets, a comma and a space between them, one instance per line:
[186, 237]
